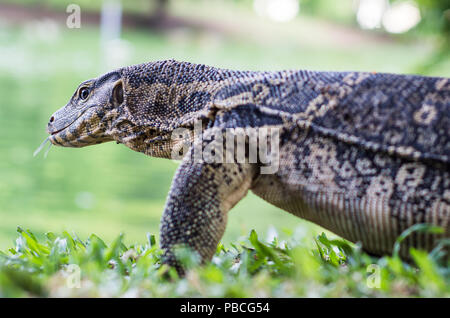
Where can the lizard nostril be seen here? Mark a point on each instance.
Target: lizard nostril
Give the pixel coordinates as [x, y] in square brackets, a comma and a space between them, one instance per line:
[52, 119]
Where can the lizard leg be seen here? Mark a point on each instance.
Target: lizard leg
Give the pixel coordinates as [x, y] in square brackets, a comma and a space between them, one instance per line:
[196, 209]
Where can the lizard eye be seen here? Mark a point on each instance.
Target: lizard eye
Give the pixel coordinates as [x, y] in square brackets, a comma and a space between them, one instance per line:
[84, 93]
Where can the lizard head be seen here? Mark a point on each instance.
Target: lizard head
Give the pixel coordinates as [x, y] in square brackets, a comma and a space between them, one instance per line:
[139, 106]
[85, 120]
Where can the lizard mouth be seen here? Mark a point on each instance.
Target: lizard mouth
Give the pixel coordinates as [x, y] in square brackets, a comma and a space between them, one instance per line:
[55, 132]
[52, 133]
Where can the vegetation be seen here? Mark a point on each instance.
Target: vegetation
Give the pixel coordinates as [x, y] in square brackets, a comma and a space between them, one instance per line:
[64, 265]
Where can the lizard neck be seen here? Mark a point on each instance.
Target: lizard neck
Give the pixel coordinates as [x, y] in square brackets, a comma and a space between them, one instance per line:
[168, 94]
[160, 97]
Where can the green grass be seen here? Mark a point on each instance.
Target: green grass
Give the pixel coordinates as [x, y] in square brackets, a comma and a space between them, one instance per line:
[67, 266]
[109, 189]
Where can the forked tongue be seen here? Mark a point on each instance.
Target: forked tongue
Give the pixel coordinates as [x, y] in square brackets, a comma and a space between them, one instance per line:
[42, 146]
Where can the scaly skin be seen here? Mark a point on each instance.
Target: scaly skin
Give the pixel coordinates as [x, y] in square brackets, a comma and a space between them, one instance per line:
[364, 155]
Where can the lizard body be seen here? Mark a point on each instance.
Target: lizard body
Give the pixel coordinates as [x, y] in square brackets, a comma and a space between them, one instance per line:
[364, 155]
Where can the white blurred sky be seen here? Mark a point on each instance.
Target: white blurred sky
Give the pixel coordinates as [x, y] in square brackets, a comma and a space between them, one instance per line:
[399, 17]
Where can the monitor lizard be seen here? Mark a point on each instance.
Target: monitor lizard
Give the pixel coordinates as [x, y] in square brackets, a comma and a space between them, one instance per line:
[365, 155]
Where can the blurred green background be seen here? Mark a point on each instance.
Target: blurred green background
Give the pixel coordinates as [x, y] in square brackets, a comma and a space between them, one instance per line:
[108, 189]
